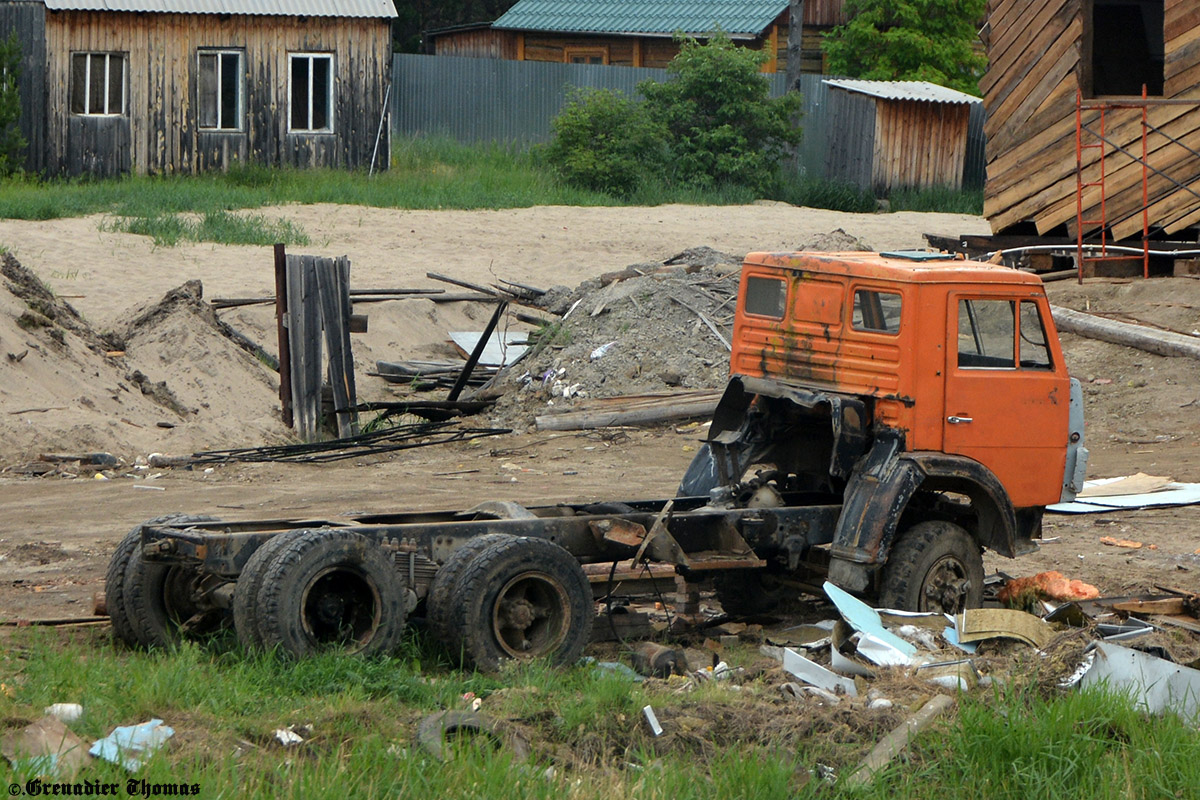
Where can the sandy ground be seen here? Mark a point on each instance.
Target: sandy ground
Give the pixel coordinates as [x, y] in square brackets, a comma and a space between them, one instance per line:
[56, 534]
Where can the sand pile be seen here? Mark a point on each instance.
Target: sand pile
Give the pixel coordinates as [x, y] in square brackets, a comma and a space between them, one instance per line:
[171, 381]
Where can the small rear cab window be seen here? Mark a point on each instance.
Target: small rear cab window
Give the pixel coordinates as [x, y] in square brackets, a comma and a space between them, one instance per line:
[765, 297]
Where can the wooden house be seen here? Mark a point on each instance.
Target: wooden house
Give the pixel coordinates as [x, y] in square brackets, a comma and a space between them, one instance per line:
[1043, 54]
[167, 86]
[636, 33]
[896, 134]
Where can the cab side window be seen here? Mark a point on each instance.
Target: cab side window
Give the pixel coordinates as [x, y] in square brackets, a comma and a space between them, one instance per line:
[987, 334]
[1035, 353]
[876, 311]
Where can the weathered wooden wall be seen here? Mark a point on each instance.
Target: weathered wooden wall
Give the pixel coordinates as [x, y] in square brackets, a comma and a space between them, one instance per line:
[919, 144]
[1035, 53]
[478, 43]
[28, 20]
[850, 154]
[159, 133]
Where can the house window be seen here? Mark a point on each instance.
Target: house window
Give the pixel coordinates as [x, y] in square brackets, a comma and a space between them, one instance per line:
[97, 83]
[312, 92]
[586, 55]
[219, 87]
[1125, 42]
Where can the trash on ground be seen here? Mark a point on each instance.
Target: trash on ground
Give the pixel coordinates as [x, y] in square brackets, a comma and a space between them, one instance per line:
[960, 675]
[131, 746]
[288, 736]
[658, 661]
[1050, 585]
[46, 748]
[877, 644]
[1094, 499]
[814, 674]
[435, 731]
[64, 712]
[1156, 685]
[977, 624]
[1126, 543]
[502, 349]
[652, 721]
[895, 742]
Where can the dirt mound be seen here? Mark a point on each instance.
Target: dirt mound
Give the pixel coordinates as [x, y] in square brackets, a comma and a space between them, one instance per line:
[836, 241]
[179, 384]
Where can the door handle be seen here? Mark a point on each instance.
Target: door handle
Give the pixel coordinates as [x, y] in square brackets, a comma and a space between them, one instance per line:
[958, 420]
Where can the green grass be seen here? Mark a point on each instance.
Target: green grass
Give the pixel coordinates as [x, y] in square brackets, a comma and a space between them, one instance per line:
[168, 230]
[426, 173]
[584, 726]
[940, 198]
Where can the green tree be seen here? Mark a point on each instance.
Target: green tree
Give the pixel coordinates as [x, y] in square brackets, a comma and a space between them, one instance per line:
[605, 141]
[909, 40]
[722, 125]
[11, 140]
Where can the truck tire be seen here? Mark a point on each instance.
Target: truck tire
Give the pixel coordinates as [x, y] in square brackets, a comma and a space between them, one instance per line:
[331, 588]
[249, 582]
[522, 598]
[114, 587]
[935, 566]
[748, 592]
[158, 598]
[439, 603]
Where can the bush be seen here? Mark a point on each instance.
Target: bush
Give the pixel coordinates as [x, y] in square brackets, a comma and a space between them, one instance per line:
[722, 124]
[11, 140]
[606, 142]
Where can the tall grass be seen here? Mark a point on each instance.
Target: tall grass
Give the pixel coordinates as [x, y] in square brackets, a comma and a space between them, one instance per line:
[426, 173]
[938, 198]
[584, 725]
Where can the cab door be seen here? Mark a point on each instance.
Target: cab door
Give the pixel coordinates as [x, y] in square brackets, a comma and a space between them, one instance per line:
[1006, 401]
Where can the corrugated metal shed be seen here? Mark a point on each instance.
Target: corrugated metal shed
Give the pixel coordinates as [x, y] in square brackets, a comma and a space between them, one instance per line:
[904, 90]
[738, 18]
[289, 8]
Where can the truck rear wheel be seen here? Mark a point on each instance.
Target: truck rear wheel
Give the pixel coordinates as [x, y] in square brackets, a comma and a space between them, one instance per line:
[249, 583]
[156, 599]
[331, 589]
[935, 566]
[522, 598]
[440, 602]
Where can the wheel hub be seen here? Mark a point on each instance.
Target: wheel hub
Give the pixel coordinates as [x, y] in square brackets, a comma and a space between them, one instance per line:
[341, 607]
[530, 616]
[946, 586]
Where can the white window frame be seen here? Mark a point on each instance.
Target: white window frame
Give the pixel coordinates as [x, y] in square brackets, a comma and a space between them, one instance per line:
[218, 52]
[87, 82]
[311, 57]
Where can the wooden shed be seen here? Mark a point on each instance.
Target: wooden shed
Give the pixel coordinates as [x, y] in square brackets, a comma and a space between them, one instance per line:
[165, 86]
[897, 134]
[636, 33]
[1041, 54]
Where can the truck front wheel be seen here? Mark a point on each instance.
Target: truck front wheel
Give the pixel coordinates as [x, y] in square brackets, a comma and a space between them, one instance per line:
[935, 566]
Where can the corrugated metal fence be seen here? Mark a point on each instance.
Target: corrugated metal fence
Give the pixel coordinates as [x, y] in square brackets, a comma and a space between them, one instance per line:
[486, 100]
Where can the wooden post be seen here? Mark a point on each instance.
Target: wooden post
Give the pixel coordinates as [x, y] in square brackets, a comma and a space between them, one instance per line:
[285, 350]
[795, 43]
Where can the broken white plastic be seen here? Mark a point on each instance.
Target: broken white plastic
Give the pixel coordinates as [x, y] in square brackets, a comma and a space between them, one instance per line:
[652, 720]
[813, 673]
[1158, 685]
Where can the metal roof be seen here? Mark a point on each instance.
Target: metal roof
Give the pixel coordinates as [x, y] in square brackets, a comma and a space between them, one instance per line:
[904, 90]
[289, 8]
[738, 18]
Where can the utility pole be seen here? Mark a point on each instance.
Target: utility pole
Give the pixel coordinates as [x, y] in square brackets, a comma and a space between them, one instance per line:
[795, 34]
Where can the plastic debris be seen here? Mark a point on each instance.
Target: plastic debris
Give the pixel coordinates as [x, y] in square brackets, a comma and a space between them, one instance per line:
[1157, 685]
[877, 644]
[131, 746]
[64, 712]
[652, 721]
[45, 748]
[601, 351]
[814, 674]
[288, 737]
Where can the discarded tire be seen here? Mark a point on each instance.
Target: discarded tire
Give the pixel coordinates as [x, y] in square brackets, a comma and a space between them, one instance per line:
[114, 587]
[331, 589]
[935, 566]
[437, 730]
[746, 592]
[522, 598]
[249, 582]
[158, 599]
[439, 603]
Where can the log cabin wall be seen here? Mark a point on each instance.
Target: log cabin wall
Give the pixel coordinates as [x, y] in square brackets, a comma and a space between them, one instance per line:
[158, 133]
[479, 43]
[1040, 53]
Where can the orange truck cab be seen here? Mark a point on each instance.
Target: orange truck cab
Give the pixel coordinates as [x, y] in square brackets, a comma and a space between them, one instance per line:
[928, 395]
